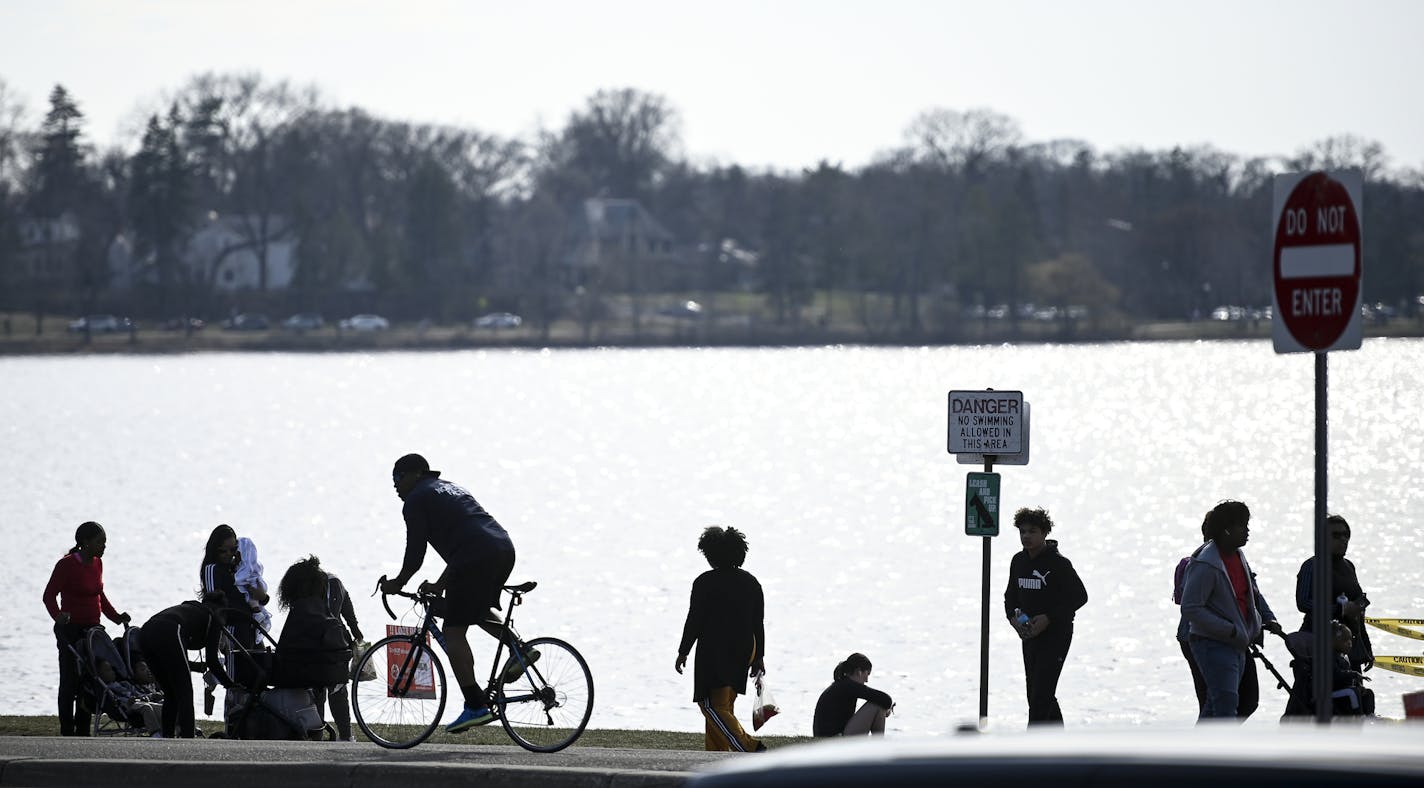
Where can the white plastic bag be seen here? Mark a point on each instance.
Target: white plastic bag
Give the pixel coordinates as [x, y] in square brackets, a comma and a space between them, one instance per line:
[765, 706]
[368, 670]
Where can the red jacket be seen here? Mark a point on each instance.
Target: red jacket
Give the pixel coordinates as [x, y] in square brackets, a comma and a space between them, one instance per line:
[80, 588]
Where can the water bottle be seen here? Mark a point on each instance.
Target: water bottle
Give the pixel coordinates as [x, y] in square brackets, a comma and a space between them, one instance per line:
[1020, 620]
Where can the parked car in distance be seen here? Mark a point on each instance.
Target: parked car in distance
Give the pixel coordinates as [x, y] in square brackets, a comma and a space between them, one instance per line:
[303, 321]
[686, 310]
[182, 323]
[499, 320]
[365, 323]
[100, 324]
[247, 321]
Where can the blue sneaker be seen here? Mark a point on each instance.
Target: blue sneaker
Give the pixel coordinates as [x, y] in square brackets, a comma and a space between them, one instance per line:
[469, 718]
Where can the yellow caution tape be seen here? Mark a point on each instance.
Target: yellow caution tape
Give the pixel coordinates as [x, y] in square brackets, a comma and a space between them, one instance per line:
[1399, 626]
[1409, 666]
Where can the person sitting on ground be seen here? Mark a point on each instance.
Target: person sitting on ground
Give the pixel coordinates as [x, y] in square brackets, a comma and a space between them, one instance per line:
[836, 714]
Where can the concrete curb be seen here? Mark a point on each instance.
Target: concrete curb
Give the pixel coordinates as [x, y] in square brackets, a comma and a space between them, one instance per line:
[43, 773]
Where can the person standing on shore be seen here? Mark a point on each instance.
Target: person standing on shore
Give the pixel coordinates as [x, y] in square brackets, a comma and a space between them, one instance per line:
[1349, 600]
[1249, 691]
[1043, 595]
[725, 621]
[77, 582]
[1225, 611]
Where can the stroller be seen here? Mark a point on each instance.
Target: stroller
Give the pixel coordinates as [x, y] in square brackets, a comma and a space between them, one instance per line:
[1349, 696]
[274, 694]
[122, 701]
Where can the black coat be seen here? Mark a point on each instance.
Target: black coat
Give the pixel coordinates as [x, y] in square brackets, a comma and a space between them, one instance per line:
[724, 619]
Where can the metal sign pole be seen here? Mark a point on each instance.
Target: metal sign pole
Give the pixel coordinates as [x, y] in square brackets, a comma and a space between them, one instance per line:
[984, 621]
[1321, 651]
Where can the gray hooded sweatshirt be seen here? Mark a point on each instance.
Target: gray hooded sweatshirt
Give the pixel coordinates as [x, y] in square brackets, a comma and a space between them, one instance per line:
[1209, 601]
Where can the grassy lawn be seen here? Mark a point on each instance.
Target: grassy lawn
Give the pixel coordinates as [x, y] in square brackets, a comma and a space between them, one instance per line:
[488, 735]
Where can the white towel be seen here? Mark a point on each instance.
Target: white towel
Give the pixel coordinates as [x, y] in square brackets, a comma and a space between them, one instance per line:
[249, 575]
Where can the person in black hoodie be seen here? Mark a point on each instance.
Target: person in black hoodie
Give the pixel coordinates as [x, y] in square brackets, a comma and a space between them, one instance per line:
[1042, 595]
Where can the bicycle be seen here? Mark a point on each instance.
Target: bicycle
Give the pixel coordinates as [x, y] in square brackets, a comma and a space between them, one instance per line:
[544, 706]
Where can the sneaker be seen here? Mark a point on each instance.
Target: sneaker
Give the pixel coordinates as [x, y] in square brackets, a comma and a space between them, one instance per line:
[469, 718]
[513, 668]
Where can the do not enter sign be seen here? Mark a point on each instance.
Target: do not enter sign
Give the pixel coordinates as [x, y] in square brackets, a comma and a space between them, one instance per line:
[1317, 262]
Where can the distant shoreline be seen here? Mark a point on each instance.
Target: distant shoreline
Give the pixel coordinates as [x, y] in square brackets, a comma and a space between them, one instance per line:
[56, 341]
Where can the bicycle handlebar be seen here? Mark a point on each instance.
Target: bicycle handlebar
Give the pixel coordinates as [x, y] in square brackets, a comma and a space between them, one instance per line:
[422, 597]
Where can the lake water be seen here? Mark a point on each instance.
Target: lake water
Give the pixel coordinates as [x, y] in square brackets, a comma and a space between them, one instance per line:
[604, 466]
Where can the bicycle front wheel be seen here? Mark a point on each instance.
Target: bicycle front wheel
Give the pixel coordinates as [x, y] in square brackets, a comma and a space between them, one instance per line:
[547, 708]
[402, 705]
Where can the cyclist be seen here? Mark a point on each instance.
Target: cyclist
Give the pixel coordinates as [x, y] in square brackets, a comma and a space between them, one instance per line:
[479, 557]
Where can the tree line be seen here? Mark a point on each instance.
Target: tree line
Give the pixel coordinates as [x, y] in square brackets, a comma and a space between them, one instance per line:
[962, 220]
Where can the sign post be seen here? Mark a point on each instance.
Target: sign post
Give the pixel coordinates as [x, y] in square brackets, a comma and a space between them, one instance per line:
[1317, 266]
[988, 426]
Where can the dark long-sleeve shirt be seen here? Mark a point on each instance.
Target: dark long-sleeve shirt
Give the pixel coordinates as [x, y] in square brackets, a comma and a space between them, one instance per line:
[79, 586]
[836, 705]
[1045, 585]
[448, 518]
[199, 628]
[338, 603]
[1343, 580]
[724, 619]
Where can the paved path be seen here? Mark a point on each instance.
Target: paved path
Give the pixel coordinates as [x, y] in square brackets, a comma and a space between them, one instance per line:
[38, 761]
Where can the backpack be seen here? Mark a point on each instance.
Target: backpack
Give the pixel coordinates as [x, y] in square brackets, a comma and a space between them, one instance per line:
[1177, 577]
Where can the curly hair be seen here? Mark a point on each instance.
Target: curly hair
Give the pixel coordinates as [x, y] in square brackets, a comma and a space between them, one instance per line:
[303, 579]
[724, 547]
[1037, 518]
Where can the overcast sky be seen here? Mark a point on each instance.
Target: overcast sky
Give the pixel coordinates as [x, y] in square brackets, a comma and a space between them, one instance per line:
[771, 83]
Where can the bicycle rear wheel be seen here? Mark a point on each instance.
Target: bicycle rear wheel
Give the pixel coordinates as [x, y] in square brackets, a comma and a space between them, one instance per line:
[403, 704]
[547, 708]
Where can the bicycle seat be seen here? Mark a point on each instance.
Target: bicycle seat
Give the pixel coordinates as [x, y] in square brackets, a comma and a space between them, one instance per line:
[522, 588]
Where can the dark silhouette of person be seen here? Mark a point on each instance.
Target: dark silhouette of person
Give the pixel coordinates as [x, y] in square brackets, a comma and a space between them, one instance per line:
[725, 621]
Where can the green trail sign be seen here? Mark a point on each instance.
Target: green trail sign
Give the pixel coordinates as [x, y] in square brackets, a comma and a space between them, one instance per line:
[981, 504]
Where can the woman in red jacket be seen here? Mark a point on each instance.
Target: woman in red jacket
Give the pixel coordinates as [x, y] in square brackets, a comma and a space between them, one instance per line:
[78, 582]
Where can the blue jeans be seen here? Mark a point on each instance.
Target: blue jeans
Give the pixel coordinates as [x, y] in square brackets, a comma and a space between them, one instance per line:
[1221, 665]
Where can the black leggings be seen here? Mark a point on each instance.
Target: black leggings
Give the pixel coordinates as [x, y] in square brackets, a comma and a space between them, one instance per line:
[74, 719]
[162, 645]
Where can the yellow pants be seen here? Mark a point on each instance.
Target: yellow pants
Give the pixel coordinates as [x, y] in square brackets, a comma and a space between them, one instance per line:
[724, 733]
